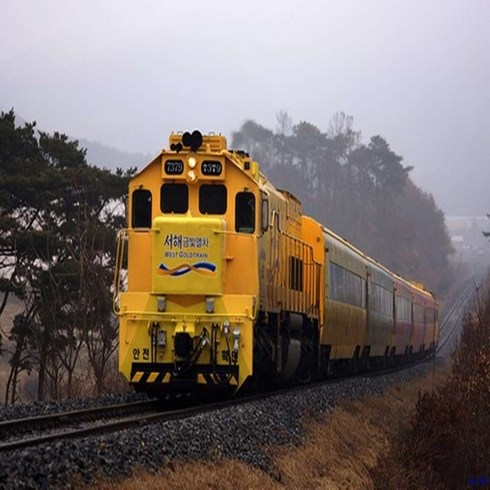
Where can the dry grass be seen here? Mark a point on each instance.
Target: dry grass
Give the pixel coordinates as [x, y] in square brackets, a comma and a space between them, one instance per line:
[14, 307]
[340, 452]
[343, 448]
[83, 384]
[216, 476]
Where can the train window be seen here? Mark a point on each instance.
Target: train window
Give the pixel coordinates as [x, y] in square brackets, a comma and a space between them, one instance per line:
[174, 198]
[381, 300]
[430, 316]
[347, 287]
[245, 212]
[418, 313]
[141, 209]
[212, 199]
[403, 309]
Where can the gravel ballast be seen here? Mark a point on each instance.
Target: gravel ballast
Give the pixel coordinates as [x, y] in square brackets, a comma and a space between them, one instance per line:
[47, 408]
[242, 432]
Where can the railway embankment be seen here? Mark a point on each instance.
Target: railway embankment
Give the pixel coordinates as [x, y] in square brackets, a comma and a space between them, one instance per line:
[245, 434]
[335, 448]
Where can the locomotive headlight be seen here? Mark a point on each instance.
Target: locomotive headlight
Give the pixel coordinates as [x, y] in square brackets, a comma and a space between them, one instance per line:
[192, 162]
[191, 176]
[236, 339]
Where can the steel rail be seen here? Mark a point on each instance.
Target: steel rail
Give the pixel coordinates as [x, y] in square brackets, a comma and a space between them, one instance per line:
[131, 422]
[455, 304]
[41, 421]
[462, 306]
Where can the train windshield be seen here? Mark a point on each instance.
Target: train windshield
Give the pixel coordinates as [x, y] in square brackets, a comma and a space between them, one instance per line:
[174, 198]
[212, 199]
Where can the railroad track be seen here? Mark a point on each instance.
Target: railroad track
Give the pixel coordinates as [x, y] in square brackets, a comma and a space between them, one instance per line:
[136, 414]
[157, 414]
[452, 318]
[52, 426]
[448, 312]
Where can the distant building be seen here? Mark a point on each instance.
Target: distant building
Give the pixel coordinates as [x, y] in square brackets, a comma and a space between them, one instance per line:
[467, 238]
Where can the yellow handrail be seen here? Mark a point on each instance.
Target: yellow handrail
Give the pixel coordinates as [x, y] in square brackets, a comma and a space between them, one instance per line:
[121, 240]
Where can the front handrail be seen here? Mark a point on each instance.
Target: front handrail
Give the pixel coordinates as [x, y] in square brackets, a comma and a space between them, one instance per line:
[121, 240]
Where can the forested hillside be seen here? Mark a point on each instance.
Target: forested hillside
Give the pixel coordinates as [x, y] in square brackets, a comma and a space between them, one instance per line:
[360, 190]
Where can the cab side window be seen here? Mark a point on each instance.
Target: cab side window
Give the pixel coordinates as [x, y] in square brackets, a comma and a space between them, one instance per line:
[141, 207]
[245, 212]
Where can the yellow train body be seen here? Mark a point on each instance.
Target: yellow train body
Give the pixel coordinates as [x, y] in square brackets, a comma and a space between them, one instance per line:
[227, 281]
[189, 273]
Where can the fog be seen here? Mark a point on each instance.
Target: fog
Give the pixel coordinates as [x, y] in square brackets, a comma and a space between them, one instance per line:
[127, 73]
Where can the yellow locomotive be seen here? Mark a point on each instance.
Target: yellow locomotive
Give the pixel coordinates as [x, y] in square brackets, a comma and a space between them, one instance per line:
[228, 283]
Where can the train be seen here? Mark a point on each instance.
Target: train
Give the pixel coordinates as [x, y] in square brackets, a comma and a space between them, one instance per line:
[222, 283]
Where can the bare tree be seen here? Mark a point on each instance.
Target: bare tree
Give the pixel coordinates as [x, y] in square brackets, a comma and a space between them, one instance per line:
[284, 123]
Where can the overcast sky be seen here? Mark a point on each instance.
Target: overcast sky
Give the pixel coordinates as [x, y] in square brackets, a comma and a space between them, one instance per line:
[126, 73]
